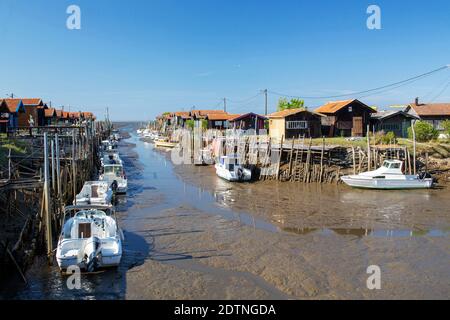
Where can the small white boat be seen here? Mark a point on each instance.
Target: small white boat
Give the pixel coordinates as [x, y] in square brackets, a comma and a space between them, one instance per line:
[90, 238]
[94, 192]
[228, 168]
[111, 158]
[114, 174]
[388, 176]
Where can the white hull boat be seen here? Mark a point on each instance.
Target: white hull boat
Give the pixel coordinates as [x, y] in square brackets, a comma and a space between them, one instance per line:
[388, 176]
[94, 192]
[228, 168]
[111, 158]
[90, 239]
[115, 176]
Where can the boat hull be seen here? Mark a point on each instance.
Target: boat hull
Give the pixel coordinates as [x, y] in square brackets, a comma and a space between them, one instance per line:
[387, 184]
[229, 176]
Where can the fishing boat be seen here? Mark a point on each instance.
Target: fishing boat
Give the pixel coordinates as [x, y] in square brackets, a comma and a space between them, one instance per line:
[388, 176]
[94, 192]
[114, 174]
[229, 168]
[90, 238]
[165, 143]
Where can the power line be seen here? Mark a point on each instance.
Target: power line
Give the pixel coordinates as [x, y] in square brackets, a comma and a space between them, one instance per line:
[377, 90]
[441, 92]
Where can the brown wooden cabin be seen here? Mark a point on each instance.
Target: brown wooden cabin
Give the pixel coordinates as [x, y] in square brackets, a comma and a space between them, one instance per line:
[345, 118]
[34, 107]
[247, 121]
[292, 123]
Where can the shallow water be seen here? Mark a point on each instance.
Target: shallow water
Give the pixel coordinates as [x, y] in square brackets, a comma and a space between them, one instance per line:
[156, 185]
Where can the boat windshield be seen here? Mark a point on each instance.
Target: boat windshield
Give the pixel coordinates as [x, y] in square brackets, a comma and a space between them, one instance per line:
[392, 165]
[231, 167]
[117, 170]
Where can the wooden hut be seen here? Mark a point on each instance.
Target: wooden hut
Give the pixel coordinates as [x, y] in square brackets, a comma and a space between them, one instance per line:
[345, 118]
[292, 123]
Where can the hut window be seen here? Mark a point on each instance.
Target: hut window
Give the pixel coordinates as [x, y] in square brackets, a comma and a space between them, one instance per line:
[350, 109]
[292, 125]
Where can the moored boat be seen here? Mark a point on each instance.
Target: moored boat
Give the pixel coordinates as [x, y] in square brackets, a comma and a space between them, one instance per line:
[90, 238]
[114, 174]
[229, 168]
[94, 192]
[388, 176]
[164, 143]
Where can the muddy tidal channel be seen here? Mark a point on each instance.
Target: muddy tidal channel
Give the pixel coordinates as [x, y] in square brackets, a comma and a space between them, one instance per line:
[191, 235]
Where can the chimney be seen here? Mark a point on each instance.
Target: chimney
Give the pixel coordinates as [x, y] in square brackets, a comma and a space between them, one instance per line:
[417, 101]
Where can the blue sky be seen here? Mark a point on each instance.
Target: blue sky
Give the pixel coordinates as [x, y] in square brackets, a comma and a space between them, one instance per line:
[141, 58]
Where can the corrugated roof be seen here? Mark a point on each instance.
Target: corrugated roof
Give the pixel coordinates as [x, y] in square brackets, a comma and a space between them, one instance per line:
[390, 113]
[289, 112]
[431, 109]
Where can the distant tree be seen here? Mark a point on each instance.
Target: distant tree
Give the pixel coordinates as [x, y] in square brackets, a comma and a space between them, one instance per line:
[284, 104]
[424, 131]
[189, 124]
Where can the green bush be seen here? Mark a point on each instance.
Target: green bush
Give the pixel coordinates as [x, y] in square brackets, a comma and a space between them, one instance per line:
[446, 126]
[424, 132]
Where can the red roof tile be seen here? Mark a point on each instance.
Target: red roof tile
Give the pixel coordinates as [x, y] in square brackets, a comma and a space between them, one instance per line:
[431, 109]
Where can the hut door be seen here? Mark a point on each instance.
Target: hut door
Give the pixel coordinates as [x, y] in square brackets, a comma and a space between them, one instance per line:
[357, 130]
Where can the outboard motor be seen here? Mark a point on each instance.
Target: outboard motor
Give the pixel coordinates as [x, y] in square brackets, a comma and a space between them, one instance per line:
[92, 253]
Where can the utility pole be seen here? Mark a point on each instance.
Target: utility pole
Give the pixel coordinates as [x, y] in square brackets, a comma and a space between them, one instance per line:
[11, 95]
[265, 97]
[225, 104]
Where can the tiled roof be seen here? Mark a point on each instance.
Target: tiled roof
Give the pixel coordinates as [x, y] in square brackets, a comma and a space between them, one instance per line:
[12, 104]
[220, 116]
[50, 112]
[288, 112]
[203, 113]
[390, 113]
[431, 109]
[32, 101]
[335, 106]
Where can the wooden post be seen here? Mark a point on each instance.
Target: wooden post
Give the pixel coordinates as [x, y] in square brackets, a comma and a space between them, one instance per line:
[321, 159]
[368, 148]
[52, 148]
[354, 160]
[48, 220]
[279, 157]
[290, 157]
[74, 175]
[414, 145]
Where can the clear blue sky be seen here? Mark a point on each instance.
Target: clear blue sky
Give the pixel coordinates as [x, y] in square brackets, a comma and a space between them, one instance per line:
[141, 58]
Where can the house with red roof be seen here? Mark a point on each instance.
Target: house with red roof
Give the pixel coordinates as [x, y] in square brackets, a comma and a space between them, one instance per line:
[10, 110]
[434, 113]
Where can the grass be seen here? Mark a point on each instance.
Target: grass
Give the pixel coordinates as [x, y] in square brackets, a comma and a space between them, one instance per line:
[437, 149]
[16, 146]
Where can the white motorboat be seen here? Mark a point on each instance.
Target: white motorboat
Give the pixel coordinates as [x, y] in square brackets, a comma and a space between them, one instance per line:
[90, 238]
[229, 168]
[94, 192]
[114, 174]
[388, 176]
[111, 158]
